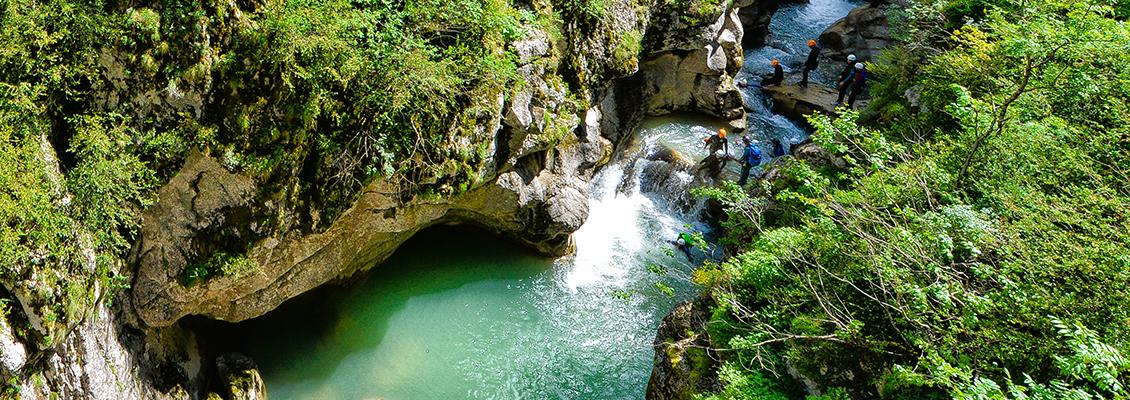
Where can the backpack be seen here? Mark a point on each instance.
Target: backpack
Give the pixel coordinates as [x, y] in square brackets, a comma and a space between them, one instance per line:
[753, 154]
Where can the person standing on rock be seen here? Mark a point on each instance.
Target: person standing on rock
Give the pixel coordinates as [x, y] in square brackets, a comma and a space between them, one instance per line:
[811, 63]
[777, 77]
[857, 78]
[846, 73]
[751, 157]
[719, 149]
[858, 83]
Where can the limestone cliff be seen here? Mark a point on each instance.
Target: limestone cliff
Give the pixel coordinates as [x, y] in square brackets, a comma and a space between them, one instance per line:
[535, 190]
[545, 138]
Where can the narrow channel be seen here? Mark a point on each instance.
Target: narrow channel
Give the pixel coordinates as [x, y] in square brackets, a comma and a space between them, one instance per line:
[457, 313]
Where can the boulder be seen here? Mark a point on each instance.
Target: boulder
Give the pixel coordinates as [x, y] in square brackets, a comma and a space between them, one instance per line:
[797, 103]
[865, 31]
[684, 361]
[691, 67]
[817, 156]
[241, 377]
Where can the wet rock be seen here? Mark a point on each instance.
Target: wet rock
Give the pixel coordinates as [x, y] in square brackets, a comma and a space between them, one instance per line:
[684, 361]
[797, 103]
[241, 377]
[691, 67]
[863, 32]
[670, 175]
[756, 15]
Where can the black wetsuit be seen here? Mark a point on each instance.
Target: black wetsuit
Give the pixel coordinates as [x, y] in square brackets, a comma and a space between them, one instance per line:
[810, 64]
[778, 149]
[845, 74]
[775, 79]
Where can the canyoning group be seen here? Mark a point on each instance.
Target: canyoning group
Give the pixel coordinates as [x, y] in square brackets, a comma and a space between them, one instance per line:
[850, 82]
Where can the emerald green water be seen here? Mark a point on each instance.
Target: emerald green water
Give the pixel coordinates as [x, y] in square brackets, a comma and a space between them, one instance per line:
[458, 313]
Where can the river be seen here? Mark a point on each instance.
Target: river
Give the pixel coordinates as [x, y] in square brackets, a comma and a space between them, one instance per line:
[457, 313]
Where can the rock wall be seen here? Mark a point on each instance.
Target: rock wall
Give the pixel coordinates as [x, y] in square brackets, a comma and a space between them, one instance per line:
[104, 359]
[536, 190]
[691, 67]
[865, 31]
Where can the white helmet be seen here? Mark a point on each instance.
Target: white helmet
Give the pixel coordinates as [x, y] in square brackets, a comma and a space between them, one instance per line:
[682, 242]
[719, 153]
[858, 65]
[851, 57]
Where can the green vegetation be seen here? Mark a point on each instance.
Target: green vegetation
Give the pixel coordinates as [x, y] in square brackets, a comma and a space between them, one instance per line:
[101, 102]
[219, 264]
[976, 246]
[697, 12]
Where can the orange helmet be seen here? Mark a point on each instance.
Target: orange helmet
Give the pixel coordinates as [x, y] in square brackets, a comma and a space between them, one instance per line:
[775, 62]
[811, 43]
[722, 133]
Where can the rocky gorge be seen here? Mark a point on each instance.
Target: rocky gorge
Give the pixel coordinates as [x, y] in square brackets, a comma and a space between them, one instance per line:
[544, 147]
[544, 150]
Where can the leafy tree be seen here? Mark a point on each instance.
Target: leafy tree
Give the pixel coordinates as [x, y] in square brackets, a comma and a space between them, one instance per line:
[964, 216]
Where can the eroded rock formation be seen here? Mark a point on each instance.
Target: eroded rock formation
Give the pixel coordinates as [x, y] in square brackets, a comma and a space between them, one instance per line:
[863, 32]
[536, 189]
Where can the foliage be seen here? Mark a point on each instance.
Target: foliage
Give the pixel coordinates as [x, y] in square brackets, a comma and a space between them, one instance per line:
[100, 102]
[219, 264]
[966, 216]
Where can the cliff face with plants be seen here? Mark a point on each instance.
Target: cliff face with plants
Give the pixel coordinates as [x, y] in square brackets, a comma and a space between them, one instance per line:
[964, 236]
[217, 158]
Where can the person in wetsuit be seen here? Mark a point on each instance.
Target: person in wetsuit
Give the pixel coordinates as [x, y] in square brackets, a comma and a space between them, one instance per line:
[846, 72]
[777, 77]
[751, 157]
[858, 83]
[811, 63]
[778, 148]
[684, 243]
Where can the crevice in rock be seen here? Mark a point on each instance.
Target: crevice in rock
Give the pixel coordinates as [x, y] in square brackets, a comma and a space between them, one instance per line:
[528, 166]
[502, 147]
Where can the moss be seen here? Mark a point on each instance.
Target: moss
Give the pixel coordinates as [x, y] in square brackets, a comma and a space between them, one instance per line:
[218, 264]
[625, 56]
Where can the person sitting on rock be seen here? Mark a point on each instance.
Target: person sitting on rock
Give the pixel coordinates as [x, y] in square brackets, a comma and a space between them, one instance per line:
[811, 63]
[777, 77]
[846, 73]
[751, 157]
[778, 148]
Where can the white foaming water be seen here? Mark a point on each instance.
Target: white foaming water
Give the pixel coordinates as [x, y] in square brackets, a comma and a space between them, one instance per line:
[615, 233]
